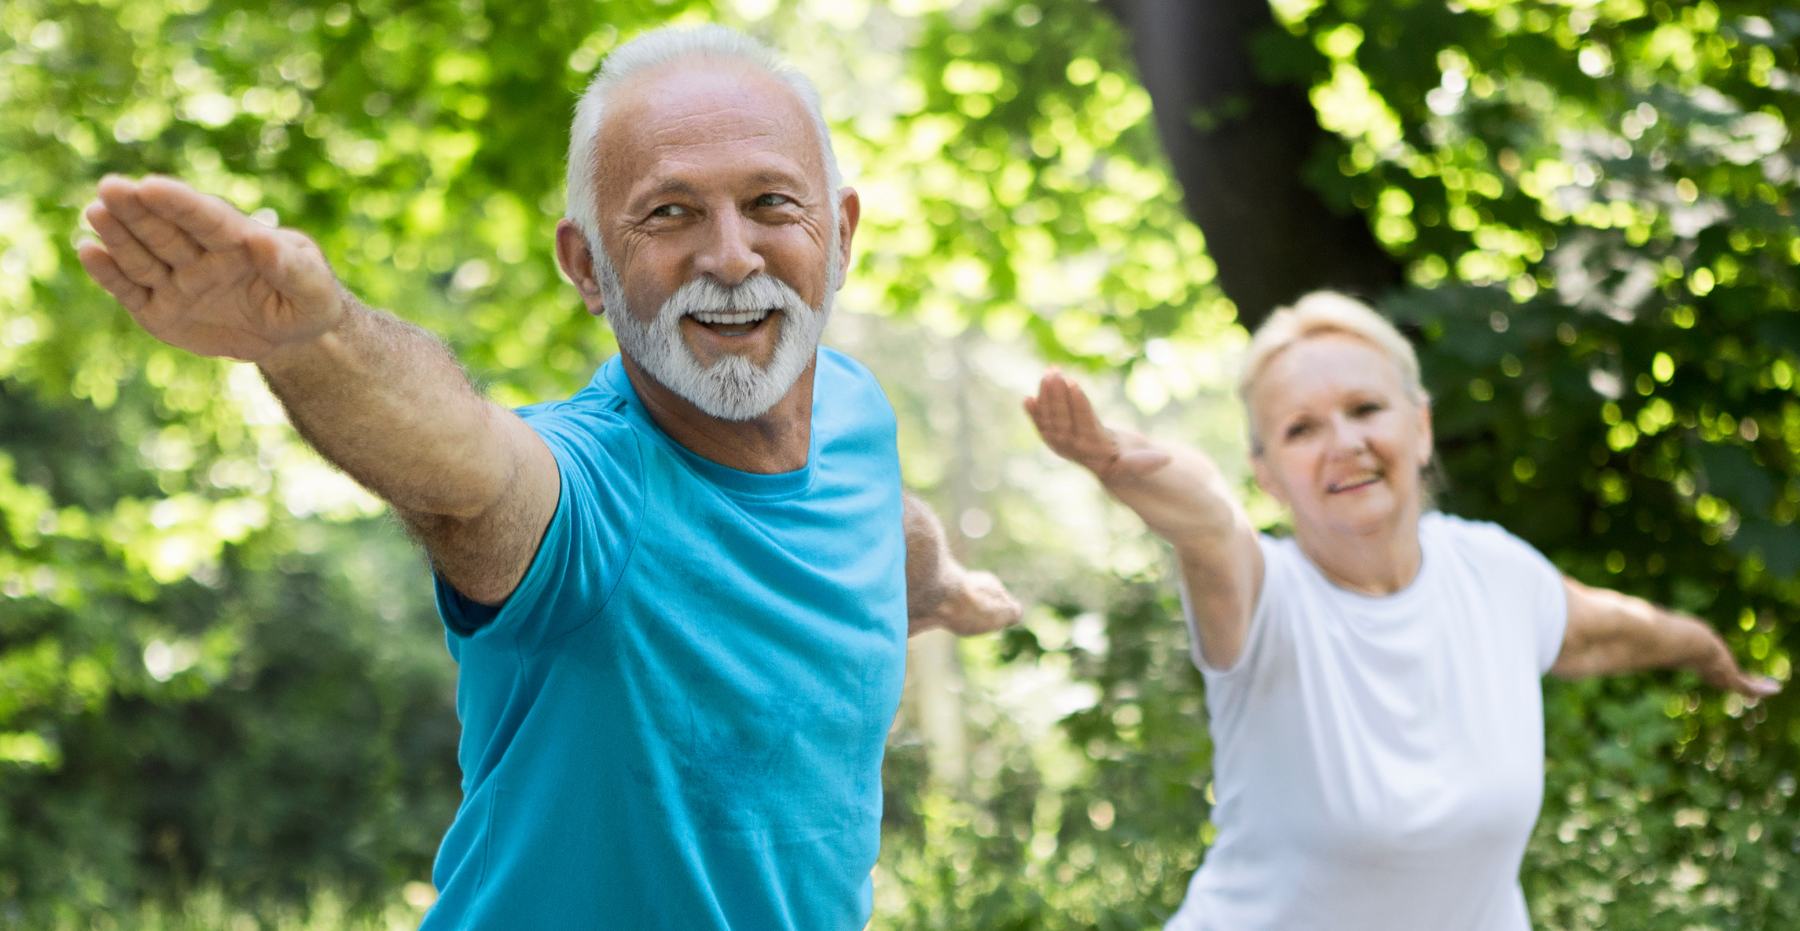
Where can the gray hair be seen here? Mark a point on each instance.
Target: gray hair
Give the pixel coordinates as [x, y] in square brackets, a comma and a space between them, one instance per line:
[660, 47]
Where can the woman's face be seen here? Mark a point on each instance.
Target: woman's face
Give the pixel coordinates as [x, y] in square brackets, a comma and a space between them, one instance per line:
[1342, 444]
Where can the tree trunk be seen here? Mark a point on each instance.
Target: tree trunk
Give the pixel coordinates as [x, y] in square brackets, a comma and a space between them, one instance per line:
[1238, 146]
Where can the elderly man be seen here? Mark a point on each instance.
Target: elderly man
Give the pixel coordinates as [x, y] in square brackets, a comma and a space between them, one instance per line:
[679, 598]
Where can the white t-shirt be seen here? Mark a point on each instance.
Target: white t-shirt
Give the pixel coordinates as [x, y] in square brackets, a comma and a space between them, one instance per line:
[1379, 762]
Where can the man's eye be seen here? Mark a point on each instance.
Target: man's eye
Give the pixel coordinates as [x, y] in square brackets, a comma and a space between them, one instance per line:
[1366, 408]
[669, 210]
[773, 200]
[1298, 430]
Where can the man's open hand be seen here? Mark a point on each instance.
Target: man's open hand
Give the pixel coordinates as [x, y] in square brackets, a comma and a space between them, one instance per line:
[976, 603]
[201, 276]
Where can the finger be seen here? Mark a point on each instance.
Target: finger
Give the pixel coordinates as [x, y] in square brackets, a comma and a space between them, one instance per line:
[101, 267]
[1042, 410]
[1758, 686]
[128, 254]
[167, 241]
[1045, 408]
[1031, 412]
[1081, 412]
[1057, 395]
[212, 223]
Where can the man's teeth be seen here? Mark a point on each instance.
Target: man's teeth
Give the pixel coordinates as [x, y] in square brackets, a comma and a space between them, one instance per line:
[737, 318]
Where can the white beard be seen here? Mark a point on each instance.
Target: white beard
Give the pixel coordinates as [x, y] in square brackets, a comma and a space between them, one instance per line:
[733, 388]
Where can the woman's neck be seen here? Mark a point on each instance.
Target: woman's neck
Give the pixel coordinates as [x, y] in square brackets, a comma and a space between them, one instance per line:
[1378, 563]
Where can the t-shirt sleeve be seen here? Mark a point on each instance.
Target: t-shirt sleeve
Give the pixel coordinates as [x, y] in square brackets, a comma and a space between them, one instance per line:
[585, 546]
[1271, 600]
[1550, 608]
[1547, 600]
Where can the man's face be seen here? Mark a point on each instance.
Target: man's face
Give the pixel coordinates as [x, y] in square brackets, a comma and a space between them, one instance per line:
[714, 206]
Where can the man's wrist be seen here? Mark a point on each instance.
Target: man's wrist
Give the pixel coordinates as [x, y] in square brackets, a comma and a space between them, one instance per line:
[305, 353]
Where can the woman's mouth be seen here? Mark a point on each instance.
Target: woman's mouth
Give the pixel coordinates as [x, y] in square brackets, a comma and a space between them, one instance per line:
[1353, 483]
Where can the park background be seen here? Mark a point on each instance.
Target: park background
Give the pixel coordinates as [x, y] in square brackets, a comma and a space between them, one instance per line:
[224, 696]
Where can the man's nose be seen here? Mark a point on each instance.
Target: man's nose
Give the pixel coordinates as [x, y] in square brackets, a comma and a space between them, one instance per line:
[730, 255]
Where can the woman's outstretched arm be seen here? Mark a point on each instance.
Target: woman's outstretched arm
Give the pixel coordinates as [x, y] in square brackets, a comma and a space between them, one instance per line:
[1612, 633]
[1183, 498]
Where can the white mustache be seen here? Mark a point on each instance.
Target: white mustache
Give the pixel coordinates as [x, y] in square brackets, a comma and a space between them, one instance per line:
[705, 296]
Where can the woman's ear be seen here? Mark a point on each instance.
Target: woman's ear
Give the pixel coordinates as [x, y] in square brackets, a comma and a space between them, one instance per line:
[1426, 441]
[1266, 480]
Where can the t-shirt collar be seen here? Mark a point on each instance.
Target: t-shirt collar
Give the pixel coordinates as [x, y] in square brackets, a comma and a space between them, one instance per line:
[734, 481]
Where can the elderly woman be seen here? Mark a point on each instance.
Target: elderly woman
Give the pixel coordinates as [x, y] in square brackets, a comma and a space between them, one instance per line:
[1373, 680]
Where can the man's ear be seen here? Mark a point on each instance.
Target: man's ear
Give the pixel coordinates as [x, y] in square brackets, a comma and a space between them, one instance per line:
[577, 262]
[849, 212]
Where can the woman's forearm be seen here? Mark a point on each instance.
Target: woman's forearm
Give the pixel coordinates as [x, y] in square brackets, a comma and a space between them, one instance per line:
[1610, 633]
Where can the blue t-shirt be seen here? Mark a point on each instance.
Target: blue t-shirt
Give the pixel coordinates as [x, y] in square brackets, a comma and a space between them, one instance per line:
[677, 719]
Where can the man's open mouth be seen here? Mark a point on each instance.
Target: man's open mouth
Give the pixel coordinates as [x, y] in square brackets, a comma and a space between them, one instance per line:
[734, 322]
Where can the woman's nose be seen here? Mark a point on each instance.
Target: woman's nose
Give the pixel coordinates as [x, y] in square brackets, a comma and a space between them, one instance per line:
[1347, 437]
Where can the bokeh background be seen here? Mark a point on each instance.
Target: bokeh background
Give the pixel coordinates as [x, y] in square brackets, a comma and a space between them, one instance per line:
[224, 696]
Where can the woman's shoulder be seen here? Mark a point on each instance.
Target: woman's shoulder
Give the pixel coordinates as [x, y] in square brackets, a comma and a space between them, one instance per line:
[1482, 542]
[1279, 550]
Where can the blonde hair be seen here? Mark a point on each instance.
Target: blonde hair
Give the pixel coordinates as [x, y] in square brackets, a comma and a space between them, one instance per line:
[1318, 314]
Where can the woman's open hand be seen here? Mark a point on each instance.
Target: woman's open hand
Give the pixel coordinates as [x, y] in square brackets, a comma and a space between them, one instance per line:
[1067, 422]
[1180, 495]
[1177, 491]
[199, 275]
[1720, 670]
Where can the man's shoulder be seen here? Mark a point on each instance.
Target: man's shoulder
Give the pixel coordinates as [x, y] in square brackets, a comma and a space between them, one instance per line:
[836, 366]
[847, 396]
[593, 420]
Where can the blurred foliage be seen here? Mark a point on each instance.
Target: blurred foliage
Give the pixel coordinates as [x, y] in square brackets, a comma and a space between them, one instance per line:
[1595, 204]
[219, 670]
[1100, 827]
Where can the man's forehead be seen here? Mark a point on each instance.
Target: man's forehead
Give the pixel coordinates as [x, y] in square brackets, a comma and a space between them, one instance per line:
[697, 100]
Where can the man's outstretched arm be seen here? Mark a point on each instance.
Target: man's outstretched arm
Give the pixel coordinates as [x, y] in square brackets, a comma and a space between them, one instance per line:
[381, 399]
[939, 591]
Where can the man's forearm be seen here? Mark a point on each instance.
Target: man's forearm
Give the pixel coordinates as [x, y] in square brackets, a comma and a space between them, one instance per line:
[386, 402]
[927, 555]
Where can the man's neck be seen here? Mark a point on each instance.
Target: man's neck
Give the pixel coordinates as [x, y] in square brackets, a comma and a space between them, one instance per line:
[776, 442]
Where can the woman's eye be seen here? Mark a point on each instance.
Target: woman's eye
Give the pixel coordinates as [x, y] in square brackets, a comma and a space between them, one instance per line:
[1366, 408]
[773, 200]
[1298, 430]
[669, 210]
